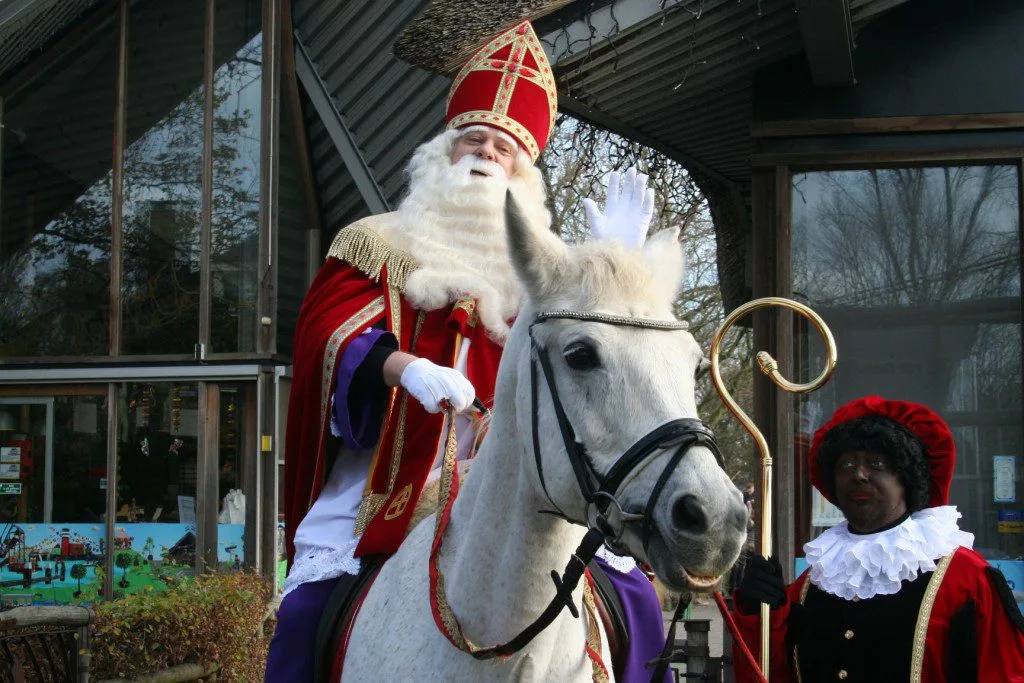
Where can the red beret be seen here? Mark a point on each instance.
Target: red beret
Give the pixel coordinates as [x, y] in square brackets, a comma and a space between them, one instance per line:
[923, 422]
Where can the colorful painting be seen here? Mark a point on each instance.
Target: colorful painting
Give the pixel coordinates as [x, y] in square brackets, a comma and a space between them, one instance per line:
[63, 563]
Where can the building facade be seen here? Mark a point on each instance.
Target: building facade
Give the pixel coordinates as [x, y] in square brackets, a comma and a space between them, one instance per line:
[150, 278]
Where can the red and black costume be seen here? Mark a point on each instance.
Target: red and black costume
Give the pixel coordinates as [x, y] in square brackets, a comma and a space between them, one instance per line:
[942, 613]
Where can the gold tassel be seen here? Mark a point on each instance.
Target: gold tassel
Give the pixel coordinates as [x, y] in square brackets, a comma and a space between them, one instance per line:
[363, 248]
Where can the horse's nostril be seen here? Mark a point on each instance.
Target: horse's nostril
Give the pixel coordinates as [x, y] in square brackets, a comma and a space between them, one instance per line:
[740, 518]
[688, 515]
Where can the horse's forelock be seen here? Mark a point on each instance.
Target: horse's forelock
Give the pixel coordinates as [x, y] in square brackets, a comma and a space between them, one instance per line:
[609, 275]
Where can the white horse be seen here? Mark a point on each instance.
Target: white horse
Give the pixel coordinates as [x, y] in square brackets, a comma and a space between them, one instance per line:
[618, 380]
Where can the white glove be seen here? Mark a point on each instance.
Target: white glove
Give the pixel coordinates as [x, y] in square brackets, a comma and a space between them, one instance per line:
[430, 384]
[627, 215]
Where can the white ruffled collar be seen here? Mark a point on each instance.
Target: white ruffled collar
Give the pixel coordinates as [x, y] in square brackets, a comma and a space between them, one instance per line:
[620, 563]
[862, 566]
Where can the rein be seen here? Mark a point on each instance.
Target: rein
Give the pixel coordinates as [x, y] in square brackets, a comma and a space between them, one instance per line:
[598, 492]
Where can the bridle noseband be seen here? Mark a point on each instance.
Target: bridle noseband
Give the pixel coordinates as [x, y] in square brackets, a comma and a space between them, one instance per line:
[600, 491]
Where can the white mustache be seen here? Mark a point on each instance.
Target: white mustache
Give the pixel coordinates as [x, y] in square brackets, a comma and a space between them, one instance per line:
[470, 163]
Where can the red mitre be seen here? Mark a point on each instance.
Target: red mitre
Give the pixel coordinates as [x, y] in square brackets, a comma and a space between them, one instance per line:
[507, 84]
[923, 422]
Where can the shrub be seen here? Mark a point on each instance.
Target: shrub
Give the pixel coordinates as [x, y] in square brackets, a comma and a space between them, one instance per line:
[211, 619]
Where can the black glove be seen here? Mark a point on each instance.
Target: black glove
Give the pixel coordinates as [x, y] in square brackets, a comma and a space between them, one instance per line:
[761, 582]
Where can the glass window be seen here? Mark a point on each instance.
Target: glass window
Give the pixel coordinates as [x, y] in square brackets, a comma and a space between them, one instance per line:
[162, 171]
[155, 522]
[53, 482]
[238, 53]
[237, 409]
[55, 208]
[917, 272]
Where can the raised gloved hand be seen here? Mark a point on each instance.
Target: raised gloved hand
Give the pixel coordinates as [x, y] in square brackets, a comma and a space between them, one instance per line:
[761, 582]
[431, 384]
[627, 213]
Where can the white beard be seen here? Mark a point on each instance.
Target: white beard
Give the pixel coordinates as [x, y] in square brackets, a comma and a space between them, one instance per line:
[453, 224]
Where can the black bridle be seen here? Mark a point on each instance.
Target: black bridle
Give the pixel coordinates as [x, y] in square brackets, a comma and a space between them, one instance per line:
[600, 490]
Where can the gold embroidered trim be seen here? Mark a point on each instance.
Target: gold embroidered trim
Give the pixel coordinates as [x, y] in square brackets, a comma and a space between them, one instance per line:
[491, 118]
[334, 344]
[363, 248]
[373, 503]
[469, 306]
[597, 669]
[924, 616]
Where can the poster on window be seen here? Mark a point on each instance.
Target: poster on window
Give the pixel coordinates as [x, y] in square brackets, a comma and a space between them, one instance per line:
[824, 513]
[1004, 468]
[10, 454]
[10, 470]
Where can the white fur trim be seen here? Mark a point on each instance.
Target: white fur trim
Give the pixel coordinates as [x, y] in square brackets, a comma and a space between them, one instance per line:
[862, 566]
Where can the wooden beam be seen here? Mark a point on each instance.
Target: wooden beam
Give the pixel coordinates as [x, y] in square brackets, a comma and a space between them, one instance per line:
[828, 40]
[887, 157]
[208, 467]
[115, 302]
[206, 193]
[886, 124]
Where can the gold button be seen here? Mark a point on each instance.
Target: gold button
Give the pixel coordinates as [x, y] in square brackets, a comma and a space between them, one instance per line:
[843, 674]
[848, 635]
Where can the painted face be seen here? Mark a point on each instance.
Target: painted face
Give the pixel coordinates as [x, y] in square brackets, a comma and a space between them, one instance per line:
[487, 144]
[868, 490]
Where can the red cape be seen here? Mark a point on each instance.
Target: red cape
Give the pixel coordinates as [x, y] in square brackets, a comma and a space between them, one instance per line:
[341, 303]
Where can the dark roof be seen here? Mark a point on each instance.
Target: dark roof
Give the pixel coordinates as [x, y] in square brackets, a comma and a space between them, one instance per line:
[27, 26]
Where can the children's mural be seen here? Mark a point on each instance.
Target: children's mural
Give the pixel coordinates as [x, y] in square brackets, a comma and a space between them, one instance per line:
[63, 563]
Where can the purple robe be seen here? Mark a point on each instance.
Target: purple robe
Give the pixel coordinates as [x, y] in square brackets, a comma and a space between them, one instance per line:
[644, 622]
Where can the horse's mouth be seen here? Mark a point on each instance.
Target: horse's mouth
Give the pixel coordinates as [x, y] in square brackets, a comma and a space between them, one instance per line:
[701, 582]
[676, 575]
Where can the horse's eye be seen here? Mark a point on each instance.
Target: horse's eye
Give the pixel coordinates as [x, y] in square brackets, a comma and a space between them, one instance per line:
[581, 356]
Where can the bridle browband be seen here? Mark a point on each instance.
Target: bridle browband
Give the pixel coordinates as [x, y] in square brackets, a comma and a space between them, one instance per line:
[599, 491]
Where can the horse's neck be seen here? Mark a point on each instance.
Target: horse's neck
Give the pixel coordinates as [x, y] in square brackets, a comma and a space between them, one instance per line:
[499, 551]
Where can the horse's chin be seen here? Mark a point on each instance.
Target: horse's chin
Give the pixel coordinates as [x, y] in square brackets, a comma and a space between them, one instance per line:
[676, 575]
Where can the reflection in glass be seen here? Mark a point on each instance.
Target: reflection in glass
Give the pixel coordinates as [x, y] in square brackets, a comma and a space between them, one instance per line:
[55, 206]
[917, 271]
[155, 520]
[238, 51]
[237, 406]
[162, 188]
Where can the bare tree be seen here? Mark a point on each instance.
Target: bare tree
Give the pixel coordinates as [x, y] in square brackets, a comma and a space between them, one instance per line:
[576, 164]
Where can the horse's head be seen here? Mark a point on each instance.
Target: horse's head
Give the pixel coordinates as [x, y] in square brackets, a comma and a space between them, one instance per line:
[602, 362]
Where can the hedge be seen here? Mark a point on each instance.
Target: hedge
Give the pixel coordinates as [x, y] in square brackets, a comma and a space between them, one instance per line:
[213, 619]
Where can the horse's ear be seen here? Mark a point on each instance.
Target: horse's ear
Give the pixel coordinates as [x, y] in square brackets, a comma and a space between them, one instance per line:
[664, 255]
[536, 254]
